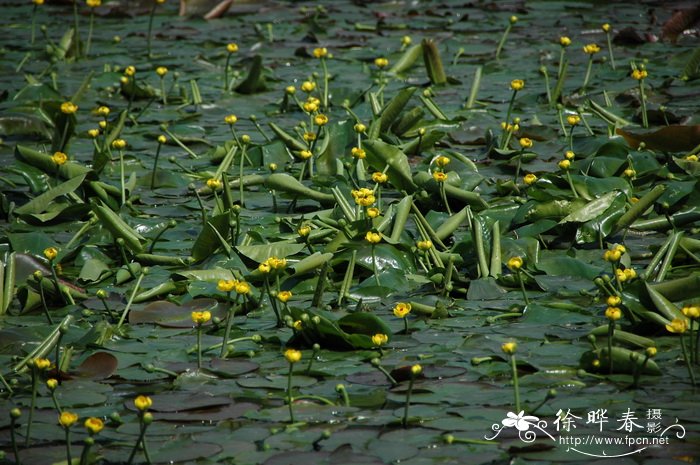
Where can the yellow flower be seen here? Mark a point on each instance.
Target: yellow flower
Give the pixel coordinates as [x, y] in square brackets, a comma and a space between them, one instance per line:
[442, 161]
[321, 120]
[102, 111]
[630, 274]
[373, 212]
[305, 154]
[304, 230]
[366, 201]
[69, 108]
[573, 119]
[199, 318]
[309, 136]
[162, 139]
[264, 268]
[124, 80]
[605, 27]
[380, 339]
[292, 355]
[308, 86]
[564, 41]
[359, 128]
[629, 172]
[50, 253]
[213, 184]
[102, 124]
[639, 74]
[52, 383]
[130, 71]
[678, 326]
[67, 419]
[406, 41]
[272, 166]
[161, 71]
[242, 288]
[620, 275]
[320, 52]
[439, 176]
[93, 133]
[513, 19]
[514, 263]
[692, 158]
[277, 263]
[614, 301]
[232, 47]
[93, 3]
[569, 155]
[373, 237]
[226, 285]
[402, 309]
[525, 142]
[381, 62]
[565, 164]
[358, 153]
[94, 425]
[119, 144]
[424, 245]
[509, 348]
[651, 352]
[290, 90]
[613, 313]
[230, 119]
[517, 84]
[42, 363]
[529, 179]
[310, 107]
[298, 325]
[284, 296]
[143, 403]
[612, 256]
[379, 177]
[416, 369]
[59, 158]
[38, 2]
[691, 311]
[591, 49]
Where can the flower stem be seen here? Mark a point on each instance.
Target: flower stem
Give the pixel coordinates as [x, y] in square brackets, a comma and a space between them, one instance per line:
[229, 323]
[163, 92]
[404, 422]
[89, 39]
[325, 84]
[502, 42]
[33, 29]
[374, 267]
[77, 29]
[522, 287]
[228, 59]
[687, 361]
[642, 95]
[611, 335]
[141, 440]
[68, 447]
[516, 386]
[289, 393]
[199, 346]
[122, 177]
[13, 439]
[610, 51]
[588, 74]
[35, 387]
[150, 29]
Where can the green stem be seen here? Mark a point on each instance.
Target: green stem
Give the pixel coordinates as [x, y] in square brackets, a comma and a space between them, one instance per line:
[229, 323]
[516, 386]
[388, 375]
[642, 95]
[228, 59]
[86, 451]
[289, 393]
[141, 440]
[163, 92]
[404, 422]
[325, 84]
[241, 183]
[611, 336]
[374, 267]
[443, 194]
[522, 287]
[562, 52]
[131, 300]
[546, 85]
[610, 51]
[502, 42]
[122, 177]
[571, 184]
[199, 346]
[405, 324]
[77, 29]
[43, 303]
[13, 439]
[89, 39]
[150, 28]
[35, 387]
[687, 360]
[33, 26]
[588, 74]
[68, 447]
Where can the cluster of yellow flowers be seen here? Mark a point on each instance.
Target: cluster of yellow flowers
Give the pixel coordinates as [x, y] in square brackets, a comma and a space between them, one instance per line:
[228, 285]
[364, 197]
[439, 175]
[272, 263]
[67, 419]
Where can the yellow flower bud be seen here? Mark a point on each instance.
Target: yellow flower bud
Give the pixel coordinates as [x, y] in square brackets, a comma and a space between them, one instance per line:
[292, 355]
[509, 348]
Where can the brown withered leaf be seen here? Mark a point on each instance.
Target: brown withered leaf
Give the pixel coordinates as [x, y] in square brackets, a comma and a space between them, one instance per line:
[674, 138]
[680, 21]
